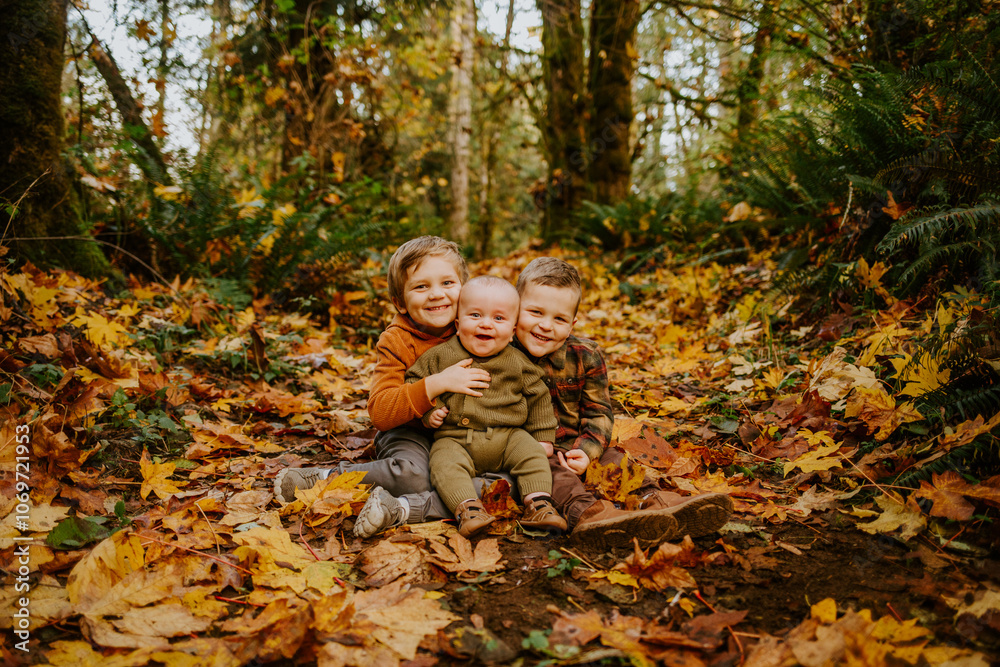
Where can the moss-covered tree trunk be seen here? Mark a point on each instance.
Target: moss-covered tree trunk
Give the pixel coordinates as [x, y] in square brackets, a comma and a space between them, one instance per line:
[748, 92]
[612, 64]
[563, 127]
[32, 173]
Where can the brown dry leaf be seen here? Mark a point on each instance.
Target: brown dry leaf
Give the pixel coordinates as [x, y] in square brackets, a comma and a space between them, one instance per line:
[497, 501]
[879, 411]
[81, 654]
[108, 563]
[968, 431]
[643, 444]
[659, 571]
[387, 561]
[834, 378]
[165, 620]
[277, 630]
[813, 500]
[896, 515]
[463, 558]
[947, 490]
[402, 617]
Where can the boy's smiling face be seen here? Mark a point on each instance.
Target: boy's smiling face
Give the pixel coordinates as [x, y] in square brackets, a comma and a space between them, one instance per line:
[546, 319]
[430, 294]
[486, 318]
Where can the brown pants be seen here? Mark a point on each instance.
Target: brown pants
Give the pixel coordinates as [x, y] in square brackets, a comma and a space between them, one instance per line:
[569, 494]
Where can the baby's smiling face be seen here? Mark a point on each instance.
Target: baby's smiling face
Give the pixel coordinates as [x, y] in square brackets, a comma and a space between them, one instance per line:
[486, 318]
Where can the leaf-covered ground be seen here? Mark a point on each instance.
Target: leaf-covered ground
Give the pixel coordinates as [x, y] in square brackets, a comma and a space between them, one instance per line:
[147, 428]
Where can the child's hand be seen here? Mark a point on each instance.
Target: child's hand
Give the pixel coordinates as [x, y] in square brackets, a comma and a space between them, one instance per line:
[436, 418]
[547, 446]
[459, 379]
[575, 460]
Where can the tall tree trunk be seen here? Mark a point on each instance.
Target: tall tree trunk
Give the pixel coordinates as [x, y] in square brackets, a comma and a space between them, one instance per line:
[463, 30]
[33, 176]
[563, 128]
[151, 162]
[612, 63]
[748, 92]
[491, 139]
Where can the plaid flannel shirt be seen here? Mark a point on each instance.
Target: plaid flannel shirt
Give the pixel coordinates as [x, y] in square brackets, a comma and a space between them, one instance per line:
[577, 377]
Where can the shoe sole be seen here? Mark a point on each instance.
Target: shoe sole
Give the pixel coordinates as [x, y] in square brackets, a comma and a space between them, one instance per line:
[279, 480]
[373, 504]
[650, 527]
[702, 515]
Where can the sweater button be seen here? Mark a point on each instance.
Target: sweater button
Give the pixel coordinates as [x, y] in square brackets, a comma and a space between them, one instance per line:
[465, 422]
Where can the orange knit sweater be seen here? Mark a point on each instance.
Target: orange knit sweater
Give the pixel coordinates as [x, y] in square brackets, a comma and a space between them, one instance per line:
[391, 402]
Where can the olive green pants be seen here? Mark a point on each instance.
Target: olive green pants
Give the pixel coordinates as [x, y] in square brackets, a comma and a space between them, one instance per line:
[455, 461]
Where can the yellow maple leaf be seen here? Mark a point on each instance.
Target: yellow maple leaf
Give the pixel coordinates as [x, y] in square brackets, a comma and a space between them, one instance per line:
[815, 460]
[615, 482]
[919, 376]
[615, 577]
[100, 330]
[824, 611]
[878, 410]
[154, 478]
[817, 438]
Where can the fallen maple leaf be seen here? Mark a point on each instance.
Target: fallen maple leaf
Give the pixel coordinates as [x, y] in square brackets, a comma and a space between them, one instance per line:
[818, 459]
[879, 411]
[947, 490]
[896, 515]
[659, 572]
[463, 558]
[497, 501]
[154, 478]
[921, 375]
[615, 481]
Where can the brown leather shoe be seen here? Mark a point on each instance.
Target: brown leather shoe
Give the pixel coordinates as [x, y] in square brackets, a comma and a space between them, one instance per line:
[472, 518]
[603, 526]
[540, 514]
[696, 515]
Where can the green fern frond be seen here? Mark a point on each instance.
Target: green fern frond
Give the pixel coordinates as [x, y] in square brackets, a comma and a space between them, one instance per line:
[914, 227]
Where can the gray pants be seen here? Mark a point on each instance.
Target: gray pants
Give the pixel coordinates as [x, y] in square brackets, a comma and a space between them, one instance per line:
[402, 467]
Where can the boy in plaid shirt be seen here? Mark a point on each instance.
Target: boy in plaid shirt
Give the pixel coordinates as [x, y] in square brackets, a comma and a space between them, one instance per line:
[577, 377]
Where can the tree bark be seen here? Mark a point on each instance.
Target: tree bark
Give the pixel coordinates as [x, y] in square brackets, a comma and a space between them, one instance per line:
[612, 63]
[490, 141]
[151, 160]
[33, 177]
[563, 128]
[748, 92]
[463, 28]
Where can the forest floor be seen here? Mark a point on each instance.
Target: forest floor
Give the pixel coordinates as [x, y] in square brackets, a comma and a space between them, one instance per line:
[153, 423]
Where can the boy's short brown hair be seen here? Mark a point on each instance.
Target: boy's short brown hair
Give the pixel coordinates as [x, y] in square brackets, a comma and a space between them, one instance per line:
[552, 272]
[413, 252]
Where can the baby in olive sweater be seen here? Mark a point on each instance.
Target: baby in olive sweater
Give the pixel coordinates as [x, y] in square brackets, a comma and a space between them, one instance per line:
[502, 429]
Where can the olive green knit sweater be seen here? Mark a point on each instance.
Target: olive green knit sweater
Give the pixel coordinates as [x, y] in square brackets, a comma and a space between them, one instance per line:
[517, 395]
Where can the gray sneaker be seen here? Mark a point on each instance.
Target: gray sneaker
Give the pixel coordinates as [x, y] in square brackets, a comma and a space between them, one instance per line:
[290, 479]
[381, 511]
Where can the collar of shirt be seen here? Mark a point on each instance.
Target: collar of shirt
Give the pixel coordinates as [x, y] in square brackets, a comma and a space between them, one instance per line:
[557, 358]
